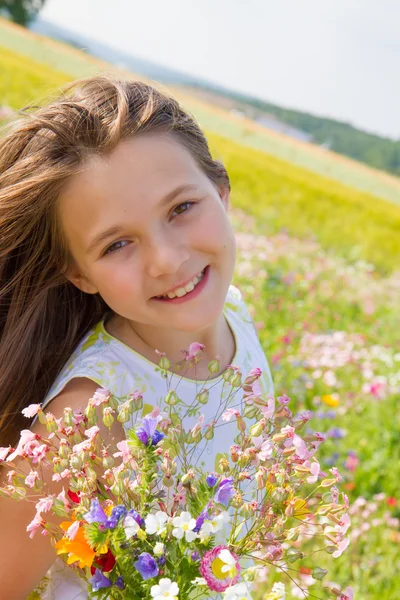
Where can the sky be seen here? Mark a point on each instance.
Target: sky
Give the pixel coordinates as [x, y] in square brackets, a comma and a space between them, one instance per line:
[333, 58]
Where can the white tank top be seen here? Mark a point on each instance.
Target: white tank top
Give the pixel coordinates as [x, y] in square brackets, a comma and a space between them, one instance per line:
[115, 366]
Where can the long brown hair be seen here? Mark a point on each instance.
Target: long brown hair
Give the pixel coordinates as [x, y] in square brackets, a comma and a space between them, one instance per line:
[42, 315]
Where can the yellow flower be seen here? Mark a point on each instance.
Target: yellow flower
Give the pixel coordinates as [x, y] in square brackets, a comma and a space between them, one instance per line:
[331, 400]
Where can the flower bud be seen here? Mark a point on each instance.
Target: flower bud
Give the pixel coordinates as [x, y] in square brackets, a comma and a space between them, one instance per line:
[65, 449]
[124, 414]
[257, 429]
[224, 465]
[319, 573]
[51, 424]
[236, 380]
[237, 500]
[188, 477]
[136, 400]
[164, 363]
[167, 481]
[214, 366]
[209, 434]
[292, 555]
[171, 398]
[108, 418]
[228, 374]
[241, 425]
[76, 462]
[91, 414]
[42, 417]
[250, 411]
[68, 417]
[108, 462]
[203, 396]
[109, 477]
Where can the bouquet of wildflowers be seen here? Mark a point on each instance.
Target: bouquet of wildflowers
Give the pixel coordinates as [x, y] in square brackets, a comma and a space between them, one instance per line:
[142, 518]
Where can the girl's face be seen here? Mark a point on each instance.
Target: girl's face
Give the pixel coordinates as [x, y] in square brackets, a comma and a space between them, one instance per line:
[146, 220]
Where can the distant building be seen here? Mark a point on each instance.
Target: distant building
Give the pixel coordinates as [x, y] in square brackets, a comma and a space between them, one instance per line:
[273, 123]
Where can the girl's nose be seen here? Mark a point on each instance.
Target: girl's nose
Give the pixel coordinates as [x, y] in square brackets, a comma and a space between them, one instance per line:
[165, 256]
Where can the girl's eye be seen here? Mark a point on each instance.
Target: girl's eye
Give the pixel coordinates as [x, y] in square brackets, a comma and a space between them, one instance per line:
[115, 247]
[183, 208]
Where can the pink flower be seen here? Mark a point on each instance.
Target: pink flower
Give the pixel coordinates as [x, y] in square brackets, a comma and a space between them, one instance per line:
[45, 504]
[100, 396]
[4, 452]
[38, 453]
[31, 410]
[341, 548]
[265, 448]
[269, 409]
[301, 448]
[85, 445]
[25, 437]
[34, 525]
[228, 414]
[31, 479]
[315, 470]
[194, 348]
[92, 432]
[124, 451]
[220, 568]
[348, 594]
[62, 496]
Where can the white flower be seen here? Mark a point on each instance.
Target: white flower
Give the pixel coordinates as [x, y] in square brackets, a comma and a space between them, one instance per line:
[158, 549]
[278, 592]
[199, 581]
[156, 523]
[164, 590]
[215, 524]
[240, 591]
[184, 524]
[131, 526]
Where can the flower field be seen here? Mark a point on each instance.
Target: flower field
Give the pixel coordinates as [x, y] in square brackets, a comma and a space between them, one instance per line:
[319, 266]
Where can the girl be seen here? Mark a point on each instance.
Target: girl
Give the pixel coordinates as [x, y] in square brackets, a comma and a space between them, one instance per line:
[114, 243]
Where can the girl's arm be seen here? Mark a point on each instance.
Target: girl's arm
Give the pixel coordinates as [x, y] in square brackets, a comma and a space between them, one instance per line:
[24, 561]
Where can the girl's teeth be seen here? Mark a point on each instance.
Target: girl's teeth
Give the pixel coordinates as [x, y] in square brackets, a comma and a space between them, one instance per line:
[185, 290]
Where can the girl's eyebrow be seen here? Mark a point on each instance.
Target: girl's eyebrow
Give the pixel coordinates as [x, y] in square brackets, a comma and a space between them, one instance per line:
[116, 229]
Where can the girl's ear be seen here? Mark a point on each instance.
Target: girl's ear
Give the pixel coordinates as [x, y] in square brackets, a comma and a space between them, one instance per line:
[224, 194]
[74, 275]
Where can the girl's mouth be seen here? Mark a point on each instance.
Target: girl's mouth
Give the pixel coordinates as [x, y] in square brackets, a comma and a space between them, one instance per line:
[190, 291]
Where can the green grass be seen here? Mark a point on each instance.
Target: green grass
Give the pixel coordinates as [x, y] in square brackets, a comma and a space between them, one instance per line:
[23, 81]
[282, 196]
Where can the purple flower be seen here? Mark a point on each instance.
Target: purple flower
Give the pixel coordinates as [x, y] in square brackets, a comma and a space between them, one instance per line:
[211, 479]
[139, 520]
[162, 560]
[200, 520]
[225, 491]
[148, 431]
[96, 514]
[146, 565]
[118, 512]
[336, 433]
[195, 555]
[99, 581]
[119, 583]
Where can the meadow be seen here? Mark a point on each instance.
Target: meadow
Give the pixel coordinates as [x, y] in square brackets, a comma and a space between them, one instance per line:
[318, 264]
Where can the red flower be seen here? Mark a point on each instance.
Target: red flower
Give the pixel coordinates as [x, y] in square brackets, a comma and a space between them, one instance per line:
[105, 563]
[391, 501]
[74, 497]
